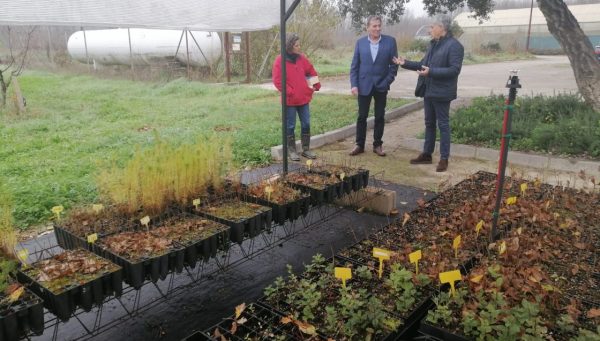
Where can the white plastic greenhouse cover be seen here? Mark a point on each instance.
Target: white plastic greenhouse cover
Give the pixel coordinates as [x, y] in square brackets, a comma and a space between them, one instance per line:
[203, 15]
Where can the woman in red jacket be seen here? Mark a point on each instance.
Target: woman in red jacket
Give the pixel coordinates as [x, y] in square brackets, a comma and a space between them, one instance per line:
[302, 81]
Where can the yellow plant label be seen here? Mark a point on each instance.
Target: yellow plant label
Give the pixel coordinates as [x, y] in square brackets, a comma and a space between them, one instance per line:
[502, 248]
[23, 254]
[450, 277]
[478, 227]
[343, 273]
[16, 294]
[382, 255]
[97, 208]
[511, 200]
[342, 176]
[523, 188]
[414, 257]
[196, 203]
[92, 238]
[309, 163]
[456, 245]
[268, 190]
[57, 210]
[145, 220]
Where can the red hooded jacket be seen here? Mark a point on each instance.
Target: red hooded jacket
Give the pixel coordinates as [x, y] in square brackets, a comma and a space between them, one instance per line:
[298, 91]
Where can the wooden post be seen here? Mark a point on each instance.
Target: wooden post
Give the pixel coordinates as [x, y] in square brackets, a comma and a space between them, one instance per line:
[87, 56]
[248, 70]
[19, 103]
[187, 55]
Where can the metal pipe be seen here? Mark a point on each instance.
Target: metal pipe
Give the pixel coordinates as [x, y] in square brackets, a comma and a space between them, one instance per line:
[283, 86]
[529, 27]
[513, 85]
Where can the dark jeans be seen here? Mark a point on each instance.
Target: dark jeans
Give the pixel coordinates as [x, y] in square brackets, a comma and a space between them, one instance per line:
[437, 111]
[304, 115]
[364, 103]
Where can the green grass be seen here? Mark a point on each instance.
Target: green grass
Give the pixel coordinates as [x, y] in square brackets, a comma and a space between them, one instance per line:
[77, 124]
[337, 61]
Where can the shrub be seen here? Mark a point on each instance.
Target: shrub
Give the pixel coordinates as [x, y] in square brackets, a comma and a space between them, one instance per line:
[561, 124]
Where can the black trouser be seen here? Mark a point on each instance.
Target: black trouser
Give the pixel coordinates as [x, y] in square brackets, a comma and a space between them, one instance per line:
[364, 103]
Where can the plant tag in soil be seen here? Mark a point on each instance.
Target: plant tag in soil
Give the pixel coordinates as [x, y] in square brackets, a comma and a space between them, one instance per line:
[478, 227]
[57, 210]
[145, 220]
[414, 257]
[523, 188]
[308, 164]
[92, 238]
[456, 245]
[23, 254]
[97, 208]
[343, 273]
[450, 277]
[382, 255]
[511, 200]
[342, 176]
[196, 203]
[268, 190]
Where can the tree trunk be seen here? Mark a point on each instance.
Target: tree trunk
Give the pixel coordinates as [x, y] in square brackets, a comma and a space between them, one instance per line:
[565, 28]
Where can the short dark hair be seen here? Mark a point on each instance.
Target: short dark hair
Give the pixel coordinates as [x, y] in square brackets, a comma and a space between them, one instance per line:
[290, 41]
[373, 18]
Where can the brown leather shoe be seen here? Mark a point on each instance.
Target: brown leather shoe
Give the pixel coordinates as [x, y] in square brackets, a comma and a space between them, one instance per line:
[379, 151]
[357, 150]
[422, 159]
[442, 166]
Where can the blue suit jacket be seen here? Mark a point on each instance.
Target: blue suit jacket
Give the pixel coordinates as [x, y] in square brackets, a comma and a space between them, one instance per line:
[366, 74]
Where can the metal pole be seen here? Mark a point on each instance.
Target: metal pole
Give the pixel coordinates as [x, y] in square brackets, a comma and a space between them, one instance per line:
[130, 54]
[87, 57]
[513, 85]
[283, 86]
[529, 27]
[227, 56]
[247, 39]
[187, 55]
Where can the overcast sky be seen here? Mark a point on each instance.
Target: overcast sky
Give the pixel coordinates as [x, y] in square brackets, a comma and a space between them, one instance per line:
[416, 8]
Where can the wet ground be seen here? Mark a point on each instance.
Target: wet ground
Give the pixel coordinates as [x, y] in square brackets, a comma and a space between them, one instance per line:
[195, 306]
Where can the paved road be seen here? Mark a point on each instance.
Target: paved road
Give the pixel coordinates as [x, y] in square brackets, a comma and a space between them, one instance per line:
[545, 74]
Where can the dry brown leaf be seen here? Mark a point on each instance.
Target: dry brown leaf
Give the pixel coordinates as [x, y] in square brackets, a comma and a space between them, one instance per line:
[593, 313]
[239, 309]
[406, 218]
[575, 269]
[360, 209]
[476, 279]
[218, 334]
[241, 321]
[306, 328]
[233, 327]
[394, 212]
[286, 320]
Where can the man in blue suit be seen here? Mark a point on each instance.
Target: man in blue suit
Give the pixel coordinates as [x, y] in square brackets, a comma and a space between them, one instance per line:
[371, 73]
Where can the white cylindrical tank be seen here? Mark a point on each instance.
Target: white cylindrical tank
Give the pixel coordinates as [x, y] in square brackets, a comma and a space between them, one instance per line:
[111, 46]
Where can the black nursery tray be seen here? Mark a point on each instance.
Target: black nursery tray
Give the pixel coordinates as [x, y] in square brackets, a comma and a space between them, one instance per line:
[354, 179]
[249, 227]
[440, 333]
[24, 316]
[319, 193]
[64, 295]
[152, 267]
[259, 323]
[200, 237]
[283, 212]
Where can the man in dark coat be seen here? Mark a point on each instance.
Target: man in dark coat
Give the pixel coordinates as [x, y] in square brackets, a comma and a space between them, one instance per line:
[371, 73]
[438, 76]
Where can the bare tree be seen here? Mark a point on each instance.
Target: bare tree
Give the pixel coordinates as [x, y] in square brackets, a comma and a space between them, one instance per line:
[12, 65]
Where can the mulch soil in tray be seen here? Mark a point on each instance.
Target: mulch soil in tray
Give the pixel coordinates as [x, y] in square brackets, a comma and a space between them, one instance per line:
[287, 203]
[21, 317]
[72, 279]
